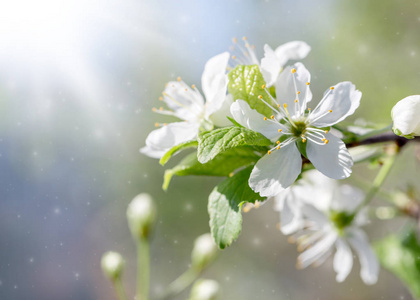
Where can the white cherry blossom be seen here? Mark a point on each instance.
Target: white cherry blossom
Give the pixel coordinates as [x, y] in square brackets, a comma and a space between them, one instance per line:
[293, 124]
[405, 115]
[326, 217]
[274, 60]
[188, 104]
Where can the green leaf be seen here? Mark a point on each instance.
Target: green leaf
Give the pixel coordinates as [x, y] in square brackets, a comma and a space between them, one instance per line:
[223, 165]
[176, 149]
[401, 256]
[212, 143]
[224, 207]
[245, 82]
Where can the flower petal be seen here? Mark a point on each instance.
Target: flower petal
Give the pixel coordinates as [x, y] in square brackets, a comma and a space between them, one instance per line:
[277, 171]
[186, 102]
[270, 66]
[290, 212]
[164, 138]
[368, 261]
[332, 159]
[219, 118]
[214, 82]
[318, 250]
[405, 115]
[343, 260]
[294, 50]
[336, 105]
[250, 118]
[286, 92]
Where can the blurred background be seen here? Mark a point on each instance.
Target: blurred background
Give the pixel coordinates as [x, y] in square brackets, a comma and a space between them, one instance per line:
[78, 80]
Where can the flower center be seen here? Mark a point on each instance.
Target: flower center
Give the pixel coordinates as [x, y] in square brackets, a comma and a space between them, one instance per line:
[299, 128]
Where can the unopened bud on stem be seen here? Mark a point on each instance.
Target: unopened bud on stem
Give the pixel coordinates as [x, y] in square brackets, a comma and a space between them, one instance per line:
[204, 251]
[405, 115]
[141, 216]
[112, 264]
[204, 289]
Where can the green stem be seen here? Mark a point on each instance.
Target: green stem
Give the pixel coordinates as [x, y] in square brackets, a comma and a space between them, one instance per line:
[181, 283]
[143, 269]
[119, 289]
[379, 179]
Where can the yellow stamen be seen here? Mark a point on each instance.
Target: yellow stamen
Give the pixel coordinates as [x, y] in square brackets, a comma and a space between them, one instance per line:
[244, 38]
[154, 109]
[295, 100]
[280, 130]
[231, 174]
[260, 97]
[160, 98]
[186, 89]
[161, 108]
[326, 131]
[263, 86]
[278, 147]
[234, 40]
[330, 111]
[193, 86]
[156, 124]
[278, 105]
[326, 141]
[278, 142]
[293, 70]
[303, 140]
[331, 88]
[307, 83]
[164, 124]
[233, 57]
[269, 152]
[178, 78]
[265, 118]
[285, 105]
[298, 92]
[272, 117]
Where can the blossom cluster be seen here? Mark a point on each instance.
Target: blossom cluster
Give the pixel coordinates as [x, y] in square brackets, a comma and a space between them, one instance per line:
[255, 124]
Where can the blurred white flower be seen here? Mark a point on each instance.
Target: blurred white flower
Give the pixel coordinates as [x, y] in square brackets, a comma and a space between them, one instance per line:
[293, 123]
[326, 217]
[274, 60]
[188, 104]
[205, 289]
[112, 264]
[405, 115]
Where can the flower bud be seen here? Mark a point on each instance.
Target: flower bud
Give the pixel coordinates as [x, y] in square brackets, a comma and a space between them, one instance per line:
[204, 289]
[204, 251]
[405, 115]
[112, 264]
[141, 216]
